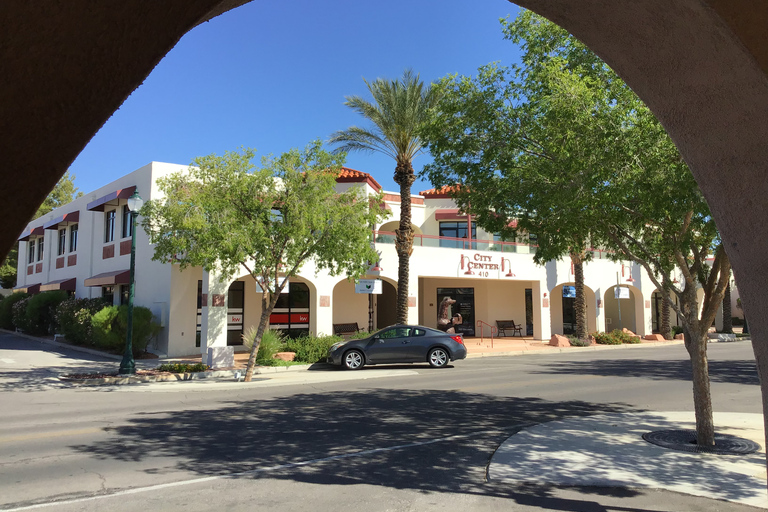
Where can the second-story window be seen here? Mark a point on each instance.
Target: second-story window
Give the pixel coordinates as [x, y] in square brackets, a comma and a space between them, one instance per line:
[73, 238]
[109, 226]
[127, 226]
[457, 229]
[40, 249]
[62, 241]
[31, 249]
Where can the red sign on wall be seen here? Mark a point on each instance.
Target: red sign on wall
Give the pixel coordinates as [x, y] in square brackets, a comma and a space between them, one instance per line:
[285, 318]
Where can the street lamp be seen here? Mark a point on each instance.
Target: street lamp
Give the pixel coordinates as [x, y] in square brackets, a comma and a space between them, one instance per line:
[128, 365]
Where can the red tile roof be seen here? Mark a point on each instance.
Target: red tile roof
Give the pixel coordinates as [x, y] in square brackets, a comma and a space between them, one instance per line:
[441, 192]
[347, 175]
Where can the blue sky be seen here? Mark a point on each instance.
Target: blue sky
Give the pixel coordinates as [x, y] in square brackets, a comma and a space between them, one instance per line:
[273, 74]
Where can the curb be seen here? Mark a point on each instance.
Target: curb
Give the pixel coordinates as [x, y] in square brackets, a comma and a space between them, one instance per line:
[560, 350]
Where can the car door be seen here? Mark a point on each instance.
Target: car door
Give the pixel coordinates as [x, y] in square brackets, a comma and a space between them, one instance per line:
[418, 344]
[390, 346]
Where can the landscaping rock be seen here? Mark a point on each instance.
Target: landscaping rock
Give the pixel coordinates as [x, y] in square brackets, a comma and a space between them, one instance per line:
[559, 341]
[285, 356]
[654, 337]
[680, 336]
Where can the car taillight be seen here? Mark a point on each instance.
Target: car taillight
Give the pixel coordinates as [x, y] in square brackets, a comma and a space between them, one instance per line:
[458, 339]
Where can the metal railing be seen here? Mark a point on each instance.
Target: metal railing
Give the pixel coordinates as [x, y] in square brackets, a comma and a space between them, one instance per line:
[446, 242]
[481, 325]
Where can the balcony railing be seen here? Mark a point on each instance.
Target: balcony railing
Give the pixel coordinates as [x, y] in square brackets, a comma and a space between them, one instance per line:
[388, 237]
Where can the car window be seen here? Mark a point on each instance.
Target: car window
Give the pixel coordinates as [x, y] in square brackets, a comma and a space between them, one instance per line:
[395, 332]
[418, 332]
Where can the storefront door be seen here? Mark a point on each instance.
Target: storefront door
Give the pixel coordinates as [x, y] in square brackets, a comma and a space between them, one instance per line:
[465, 306]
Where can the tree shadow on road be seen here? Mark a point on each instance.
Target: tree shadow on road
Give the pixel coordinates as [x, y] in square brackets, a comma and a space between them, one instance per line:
[424, 440]
[732, 371]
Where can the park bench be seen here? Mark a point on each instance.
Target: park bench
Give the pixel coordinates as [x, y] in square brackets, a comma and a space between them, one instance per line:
[345, 329]
[504, 326]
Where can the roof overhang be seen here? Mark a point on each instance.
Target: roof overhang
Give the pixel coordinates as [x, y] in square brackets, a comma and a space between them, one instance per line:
[109, 278]
[30, 289]
[62, 284]
[99, 204]
[38, 231]
[450, 214]
[67, 217]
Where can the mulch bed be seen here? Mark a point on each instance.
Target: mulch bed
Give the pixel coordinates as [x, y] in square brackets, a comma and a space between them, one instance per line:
[139, 373]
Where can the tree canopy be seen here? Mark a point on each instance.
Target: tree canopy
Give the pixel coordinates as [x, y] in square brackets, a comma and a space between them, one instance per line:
[226, 214]
[564, 147]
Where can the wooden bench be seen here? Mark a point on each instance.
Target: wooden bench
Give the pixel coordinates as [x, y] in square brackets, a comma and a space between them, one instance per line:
[345, 329]
[503, 326]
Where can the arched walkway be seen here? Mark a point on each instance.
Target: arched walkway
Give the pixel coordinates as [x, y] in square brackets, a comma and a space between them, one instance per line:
[562, 317]
[625, 312]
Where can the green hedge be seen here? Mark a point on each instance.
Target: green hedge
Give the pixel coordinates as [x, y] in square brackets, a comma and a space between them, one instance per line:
[311, 349]
[73, 317]
[41, 312]
[6, 309]
[615, 337]
[110, 328]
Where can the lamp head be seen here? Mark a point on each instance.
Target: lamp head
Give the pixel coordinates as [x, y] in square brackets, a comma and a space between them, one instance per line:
[135, 202]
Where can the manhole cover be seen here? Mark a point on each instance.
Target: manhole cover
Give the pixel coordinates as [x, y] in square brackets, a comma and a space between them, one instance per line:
[685, 440]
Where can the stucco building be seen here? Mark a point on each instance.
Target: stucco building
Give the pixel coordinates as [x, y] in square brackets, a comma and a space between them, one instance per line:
[84, 247]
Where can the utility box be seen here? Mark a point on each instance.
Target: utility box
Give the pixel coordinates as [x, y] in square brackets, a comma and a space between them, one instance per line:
[221, 357]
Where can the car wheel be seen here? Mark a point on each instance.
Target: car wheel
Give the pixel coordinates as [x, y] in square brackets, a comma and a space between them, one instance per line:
[438, 357]
[353, 360]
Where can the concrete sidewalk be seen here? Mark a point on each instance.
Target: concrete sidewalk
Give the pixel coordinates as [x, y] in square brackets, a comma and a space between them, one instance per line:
[608, 450]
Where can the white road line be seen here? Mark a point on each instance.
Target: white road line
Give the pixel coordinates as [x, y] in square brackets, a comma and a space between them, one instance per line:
[263, 470]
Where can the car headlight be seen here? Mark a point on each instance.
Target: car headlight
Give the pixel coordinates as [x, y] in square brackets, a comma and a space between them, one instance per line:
[337, 345]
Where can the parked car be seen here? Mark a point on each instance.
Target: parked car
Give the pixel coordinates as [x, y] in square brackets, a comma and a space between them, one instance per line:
[399, 344]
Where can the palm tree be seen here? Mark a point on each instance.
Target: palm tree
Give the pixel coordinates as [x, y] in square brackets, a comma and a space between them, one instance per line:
[398, 109]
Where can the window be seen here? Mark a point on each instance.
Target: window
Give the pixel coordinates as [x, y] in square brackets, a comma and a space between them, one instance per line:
[127, 224]
[62, 241]
[108, 294]
[109, 226]
[456, 229]
[73, 238]
[31, 249]
[40, 243]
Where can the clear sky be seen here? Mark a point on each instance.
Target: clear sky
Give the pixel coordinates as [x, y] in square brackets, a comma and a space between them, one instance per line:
[272, 75]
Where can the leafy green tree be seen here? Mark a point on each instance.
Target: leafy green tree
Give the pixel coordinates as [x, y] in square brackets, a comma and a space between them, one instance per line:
[563, 146]
[227, 214]
[398, 109]
[64, 192]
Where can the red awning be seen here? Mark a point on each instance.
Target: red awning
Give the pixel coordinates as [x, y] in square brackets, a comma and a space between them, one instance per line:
[62, 284]
[30, 289]
[109, 278]
[453, 214]
[67, 217]
[38, 231]
[98, 204]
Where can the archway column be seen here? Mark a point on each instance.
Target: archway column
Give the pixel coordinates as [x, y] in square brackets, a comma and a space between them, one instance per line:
[542, 327]
[213, 325]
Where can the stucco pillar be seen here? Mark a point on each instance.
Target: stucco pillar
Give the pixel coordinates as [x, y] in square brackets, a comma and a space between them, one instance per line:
[213, 325]
[323, 305]
[542, 327]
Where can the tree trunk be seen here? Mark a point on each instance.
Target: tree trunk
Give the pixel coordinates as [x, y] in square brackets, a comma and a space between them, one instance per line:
[696, 343]
[579, 304]
[266, 310]
[404, 241]
[666, 329]
[727, 314]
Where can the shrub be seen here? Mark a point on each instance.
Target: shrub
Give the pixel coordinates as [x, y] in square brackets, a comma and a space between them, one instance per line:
[736, 321]
[606, 338]
[41, 311]
[110, 328]
[360, 335]
[677, 329]
[73, 318]
[624, 337]
[312, 349]
[578, 342]
[6, 309]
[19, 314]
[182, 367]
[272, 342]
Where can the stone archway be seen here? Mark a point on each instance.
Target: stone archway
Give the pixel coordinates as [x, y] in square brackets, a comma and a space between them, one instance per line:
[558, 310]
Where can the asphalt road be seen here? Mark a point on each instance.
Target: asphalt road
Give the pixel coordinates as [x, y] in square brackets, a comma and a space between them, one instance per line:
[415, 438]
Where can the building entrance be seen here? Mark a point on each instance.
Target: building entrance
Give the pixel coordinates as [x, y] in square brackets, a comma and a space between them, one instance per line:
[465, 306]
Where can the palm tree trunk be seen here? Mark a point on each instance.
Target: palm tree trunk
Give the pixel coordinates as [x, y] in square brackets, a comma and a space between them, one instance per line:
[404, 241]
[727, 314]
[579, 304]
[666, 329]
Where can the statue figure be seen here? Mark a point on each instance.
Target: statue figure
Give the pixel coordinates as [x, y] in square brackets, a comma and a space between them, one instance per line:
[444, 320]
